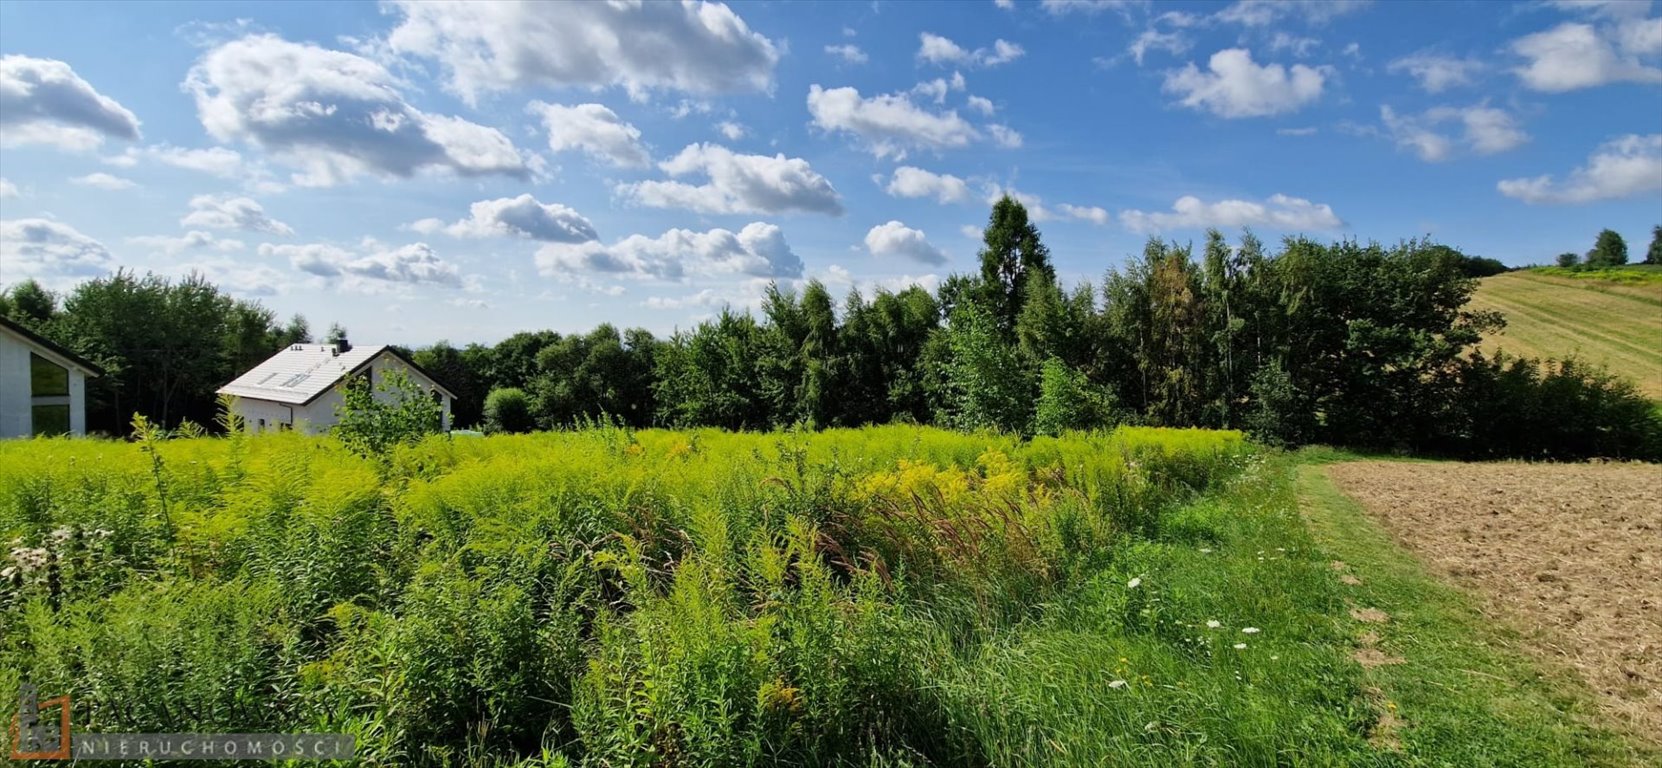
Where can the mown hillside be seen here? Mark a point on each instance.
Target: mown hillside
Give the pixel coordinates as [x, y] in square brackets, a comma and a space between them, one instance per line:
[1609, 317]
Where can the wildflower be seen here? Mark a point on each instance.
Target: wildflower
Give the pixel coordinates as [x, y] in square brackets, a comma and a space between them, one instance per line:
[1213, 623]
[1117, 684]
[1240, 646]
[1206, 550]
[1249, 630]
[1134, 583]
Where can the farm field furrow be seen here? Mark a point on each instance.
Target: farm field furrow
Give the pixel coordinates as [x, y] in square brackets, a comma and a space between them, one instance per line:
[1615, 325]
[1570, 326]
[1568, 553]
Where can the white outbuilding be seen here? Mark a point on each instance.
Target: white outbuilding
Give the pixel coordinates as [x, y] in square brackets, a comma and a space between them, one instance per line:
[43, 386]
[302, 386]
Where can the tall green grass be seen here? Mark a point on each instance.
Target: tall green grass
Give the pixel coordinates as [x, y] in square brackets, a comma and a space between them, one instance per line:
[884, 596]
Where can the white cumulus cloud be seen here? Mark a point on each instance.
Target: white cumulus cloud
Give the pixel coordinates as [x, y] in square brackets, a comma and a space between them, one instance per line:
[335, 115]
[757, 250]
[1487, 130]
[104, 181]
[7, 189]
[908, 181]
[737, 184]
[888, 124]
[850, 54]
[1090, 213]
[594, 129]
[43, 101]
[521, 216]
[700, 47]
[1437, 72]
[1260, 13]
[1574, 55]
[44, 248]
[1628, 166]
[1234, 86]
[895, 239]
[935, 49]
[415, 263]
[216, 212]
[193, 240]
[1280, 212]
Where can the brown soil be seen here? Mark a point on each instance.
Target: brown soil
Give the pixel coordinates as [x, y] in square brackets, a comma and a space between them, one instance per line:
[1569, 554]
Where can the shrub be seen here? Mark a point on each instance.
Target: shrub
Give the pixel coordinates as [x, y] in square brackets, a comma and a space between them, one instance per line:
[508, 409]
[1522, 407]
[1068, 402]
[396, 411]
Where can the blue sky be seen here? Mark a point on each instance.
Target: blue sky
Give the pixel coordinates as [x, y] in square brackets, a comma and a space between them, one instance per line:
[463, 171]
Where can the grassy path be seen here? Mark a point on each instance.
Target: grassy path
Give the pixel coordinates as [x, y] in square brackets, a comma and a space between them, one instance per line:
[1616, 325]
[1449, 687]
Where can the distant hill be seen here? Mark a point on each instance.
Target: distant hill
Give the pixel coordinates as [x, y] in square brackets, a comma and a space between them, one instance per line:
[1612, 317]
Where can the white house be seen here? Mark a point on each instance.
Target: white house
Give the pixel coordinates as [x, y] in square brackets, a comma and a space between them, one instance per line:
[43, 387]
[301, 386]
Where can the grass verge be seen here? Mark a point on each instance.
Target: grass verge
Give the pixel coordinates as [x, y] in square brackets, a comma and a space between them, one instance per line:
[1455, 687]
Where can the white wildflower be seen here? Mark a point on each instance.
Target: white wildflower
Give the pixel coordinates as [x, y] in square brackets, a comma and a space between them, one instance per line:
[1240, 646]
[1134, 583]
[1213, 624]
[1249, 630]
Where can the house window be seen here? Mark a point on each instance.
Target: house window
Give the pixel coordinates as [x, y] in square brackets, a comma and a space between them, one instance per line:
[50, 420]
[48, 397]
[47, 378]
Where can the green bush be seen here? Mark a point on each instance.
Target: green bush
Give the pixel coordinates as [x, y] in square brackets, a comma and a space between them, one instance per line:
[508, 409]
[370, 421]
[1521, 407]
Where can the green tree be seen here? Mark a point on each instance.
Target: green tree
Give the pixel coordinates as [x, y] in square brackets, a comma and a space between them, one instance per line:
[513, 360]
[1569, 260]
[600, 374]
[1654, 255]
[1155, 314]
[296, 332]
[508, 410]
[989, 385]
[1011, 255]
[710, 377]
[30, 304]
[801, 356]
[1610, 250]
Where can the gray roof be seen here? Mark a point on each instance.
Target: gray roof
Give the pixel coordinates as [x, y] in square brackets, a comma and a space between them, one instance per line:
[300, 373]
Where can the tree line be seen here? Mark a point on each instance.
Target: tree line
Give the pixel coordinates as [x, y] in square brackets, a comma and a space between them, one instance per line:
[1610, 250]
[1340, 343]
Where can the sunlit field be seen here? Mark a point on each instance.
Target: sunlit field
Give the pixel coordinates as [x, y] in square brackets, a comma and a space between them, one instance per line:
[891, 596]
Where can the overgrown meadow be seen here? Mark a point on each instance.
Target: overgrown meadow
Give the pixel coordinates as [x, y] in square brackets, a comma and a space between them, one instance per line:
[889, 595]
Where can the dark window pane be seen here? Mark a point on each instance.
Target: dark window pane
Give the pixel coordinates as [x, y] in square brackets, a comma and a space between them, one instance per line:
[46, 378]
[50, 420]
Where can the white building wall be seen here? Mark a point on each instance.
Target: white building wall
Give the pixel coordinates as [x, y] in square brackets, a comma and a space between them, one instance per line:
[14, 387]
[77, 402]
